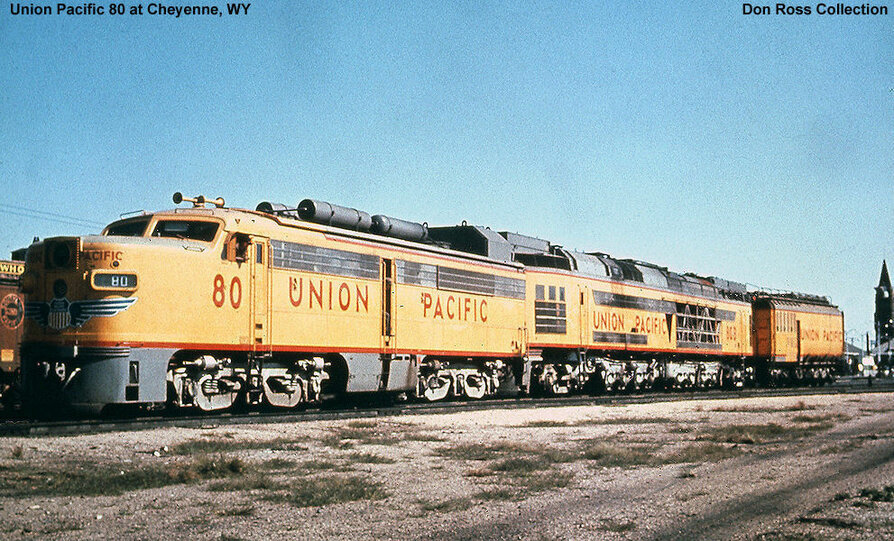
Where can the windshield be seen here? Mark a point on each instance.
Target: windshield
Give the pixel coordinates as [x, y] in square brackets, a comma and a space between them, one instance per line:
[130, 228]
[186, 229]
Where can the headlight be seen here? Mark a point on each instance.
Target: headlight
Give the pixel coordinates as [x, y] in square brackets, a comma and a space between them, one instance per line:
[62, 254]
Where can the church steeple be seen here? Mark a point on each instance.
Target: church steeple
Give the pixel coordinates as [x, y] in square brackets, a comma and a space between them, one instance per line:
[885, 280]
[884, 306]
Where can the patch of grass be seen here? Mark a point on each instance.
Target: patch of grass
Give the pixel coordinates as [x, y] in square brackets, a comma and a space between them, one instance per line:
[498, 494]
[473, 451]
[617, 526]
[841, 496]
[519, 466]
[447, 506]
[557, 456]
[609, 455]
[276, 464]
[91, 480]
[336, 441]
[247, 510]
[885, 494]
[62, 527]
[369, 433]
[543, 424]
[496, 451]
[310, 466]
[363, 424]
[198, 521]
[745, 433]
[786, 536]
[843, 447]
[421, 435]
[698, 453]
[369, 458]
[691, 495]
[799, 432]
[319, 491]
[479, 472]
[245, 483]
[625, 421]
[819, 418]
[208, 467]
[798, 406]
[541, 481]
[222, 445]
[830, 521]
[756, 433]
[612, 455]
[414, 432]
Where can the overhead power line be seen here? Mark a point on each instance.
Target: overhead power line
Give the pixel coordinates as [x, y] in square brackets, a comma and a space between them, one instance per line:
[48, 216]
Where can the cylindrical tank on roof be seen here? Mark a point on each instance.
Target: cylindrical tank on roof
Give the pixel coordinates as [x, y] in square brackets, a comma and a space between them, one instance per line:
[325, 213]
[400, 229]
[276, 208]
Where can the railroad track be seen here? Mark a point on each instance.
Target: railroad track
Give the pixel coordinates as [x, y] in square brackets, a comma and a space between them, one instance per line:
[358, 409]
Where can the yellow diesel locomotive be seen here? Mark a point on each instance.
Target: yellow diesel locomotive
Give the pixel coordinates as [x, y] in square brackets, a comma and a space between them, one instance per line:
[211, 307]
[203, 306]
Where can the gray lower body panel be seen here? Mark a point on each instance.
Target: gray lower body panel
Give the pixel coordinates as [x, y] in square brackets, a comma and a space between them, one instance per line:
[371, 372]
[92, 378]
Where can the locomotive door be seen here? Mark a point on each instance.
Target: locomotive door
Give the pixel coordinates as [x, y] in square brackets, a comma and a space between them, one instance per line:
[260, 294]
[584, 294]
[388, 299]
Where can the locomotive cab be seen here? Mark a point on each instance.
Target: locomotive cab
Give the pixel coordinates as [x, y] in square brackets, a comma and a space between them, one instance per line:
[106, 313]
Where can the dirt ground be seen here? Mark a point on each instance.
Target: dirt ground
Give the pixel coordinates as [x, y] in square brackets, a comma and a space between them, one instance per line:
[818, 467]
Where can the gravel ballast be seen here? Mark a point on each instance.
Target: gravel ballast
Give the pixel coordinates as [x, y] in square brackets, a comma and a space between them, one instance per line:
[817, 467]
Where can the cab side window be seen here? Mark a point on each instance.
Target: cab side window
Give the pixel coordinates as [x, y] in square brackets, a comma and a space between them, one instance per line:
[237, 248]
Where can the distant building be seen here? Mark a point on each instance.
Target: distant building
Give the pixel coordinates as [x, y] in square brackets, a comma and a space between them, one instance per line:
[853, 355]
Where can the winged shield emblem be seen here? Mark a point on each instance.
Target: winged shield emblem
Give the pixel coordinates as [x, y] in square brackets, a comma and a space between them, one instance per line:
[60, 313]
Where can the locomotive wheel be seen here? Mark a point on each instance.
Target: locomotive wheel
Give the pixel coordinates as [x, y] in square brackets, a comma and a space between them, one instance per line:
[210, 397]
[436, 388]
[277, 393]
[475, 387]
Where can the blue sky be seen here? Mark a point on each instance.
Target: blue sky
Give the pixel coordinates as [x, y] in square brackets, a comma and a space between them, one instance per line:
[756, 148]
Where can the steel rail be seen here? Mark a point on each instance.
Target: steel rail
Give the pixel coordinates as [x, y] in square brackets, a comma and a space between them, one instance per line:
[357, 409]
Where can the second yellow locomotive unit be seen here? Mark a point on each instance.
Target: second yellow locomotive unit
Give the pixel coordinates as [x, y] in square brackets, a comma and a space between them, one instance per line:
[214, 307]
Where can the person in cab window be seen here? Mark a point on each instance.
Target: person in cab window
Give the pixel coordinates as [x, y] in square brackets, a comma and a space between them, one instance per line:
[242, 244]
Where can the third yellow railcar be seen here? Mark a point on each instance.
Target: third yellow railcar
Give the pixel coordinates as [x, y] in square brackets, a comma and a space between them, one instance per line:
[797, 337]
